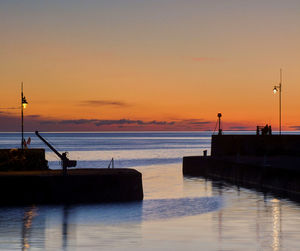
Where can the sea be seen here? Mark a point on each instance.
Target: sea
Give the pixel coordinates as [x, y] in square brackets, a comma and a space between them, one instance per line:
[177, 213]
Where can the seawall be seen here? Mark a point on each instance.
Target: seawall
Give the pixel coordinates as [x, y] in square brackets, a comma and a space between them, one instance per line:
[78, 186]
[255, 145]
[270, 162]
[267, 178]
[23, 159]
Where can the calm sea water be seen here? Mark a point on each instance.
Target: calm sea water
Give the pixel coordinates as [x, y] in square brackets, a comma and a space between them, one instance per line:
[178, 213]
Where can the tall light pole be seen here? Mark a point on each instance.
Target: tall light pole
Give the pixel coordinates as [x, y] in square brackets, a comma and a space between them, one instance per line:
[219, 117]
[275, 90]
[23, 106]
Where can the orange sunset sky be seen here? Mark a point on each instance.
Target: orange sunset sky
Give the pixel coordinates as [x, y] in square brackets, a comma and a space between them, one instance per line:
[149, 64]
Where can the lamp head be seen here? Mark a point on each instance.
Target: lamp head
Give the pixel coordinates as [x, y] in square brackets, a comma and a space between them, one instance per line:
[275, 90]
[24, 102]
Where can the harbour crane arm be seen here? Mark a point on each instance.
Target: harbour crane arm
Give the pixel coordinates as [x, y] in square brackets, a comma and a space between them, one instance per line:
[51, 147]
[64, 159]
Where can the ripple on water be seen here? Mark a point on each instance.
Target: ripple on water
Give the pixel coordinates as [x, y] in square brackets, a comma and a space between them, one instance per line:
[156, 209]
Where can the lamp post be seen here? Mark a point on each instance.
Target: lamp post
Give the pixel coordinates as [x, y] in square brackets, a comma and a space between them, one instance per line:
[219, 117]
[275, 90]
[23, 106]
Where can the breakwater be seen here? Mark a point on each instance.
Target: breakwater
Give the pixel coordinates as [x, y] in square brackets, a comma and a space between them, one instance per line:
[255, 145]
[78, 186]
[266, 162]
[23, 159]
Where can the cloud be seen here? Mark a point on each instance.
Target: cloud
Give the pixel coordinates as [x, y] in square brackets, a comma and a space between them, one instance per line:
[107, 122]
[239, 128]
[48, 122]
[103, 103]
[41, 123]
[200, 123]
[195, 122]
[10, 108]
[295, 128]
[77, 121]
[33, 116]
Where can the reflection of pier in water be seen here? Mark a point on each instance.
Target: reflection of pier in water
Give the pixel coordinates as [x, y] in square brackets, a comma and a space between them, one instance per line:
[35, 232]
[20, 227]
[29, 214]
[53, 227]
[268, 232]
[34, 229]
[68, 229]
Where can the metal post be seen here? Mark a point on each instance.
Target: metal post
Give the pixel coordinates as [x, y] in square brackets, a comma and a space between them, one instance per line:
[220, 130]
[280, 101]
[22, 121]
[279, 88]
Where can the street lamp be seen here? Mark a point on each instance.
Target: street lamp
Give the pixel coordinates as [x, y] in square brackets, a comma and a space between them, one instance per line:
[275, 90]
[24, 103]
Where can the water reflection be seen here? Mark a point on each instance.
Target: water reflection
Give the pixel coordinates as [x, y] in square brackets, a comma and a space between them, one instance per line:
[267, 218]
[230, 218]
[147, 210]
[26, 229]
[276, 217]
[111, 217]
[65, 226]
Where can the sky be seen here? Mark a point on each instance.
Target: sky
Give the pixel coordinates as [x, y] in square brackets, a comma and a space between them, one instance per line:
[140, 65]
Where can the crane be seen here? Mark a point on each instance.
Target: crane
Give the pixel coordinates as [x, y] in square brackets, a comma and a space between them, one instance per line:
[65, 162]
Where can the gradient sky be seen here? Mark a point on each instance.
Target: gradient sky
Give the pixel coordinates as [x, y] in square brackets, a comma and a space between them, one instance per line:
[149, 64]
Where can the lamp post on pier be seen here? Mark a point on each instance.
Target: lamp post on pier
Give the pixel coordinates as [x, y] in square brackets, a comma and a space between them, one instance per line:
[23, 106]
[275, 90]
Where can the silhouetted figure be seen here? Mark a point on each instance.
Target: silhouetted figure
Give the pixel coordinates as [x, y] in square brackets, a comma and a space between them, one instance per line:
[264, 130]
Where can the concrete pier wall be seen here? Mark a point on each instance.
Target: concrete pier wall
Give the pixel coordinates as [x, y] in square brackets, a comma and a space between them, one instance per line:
[269, 162]
[21, 160]
[255, 145]
[79, 186]
[267, 178]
